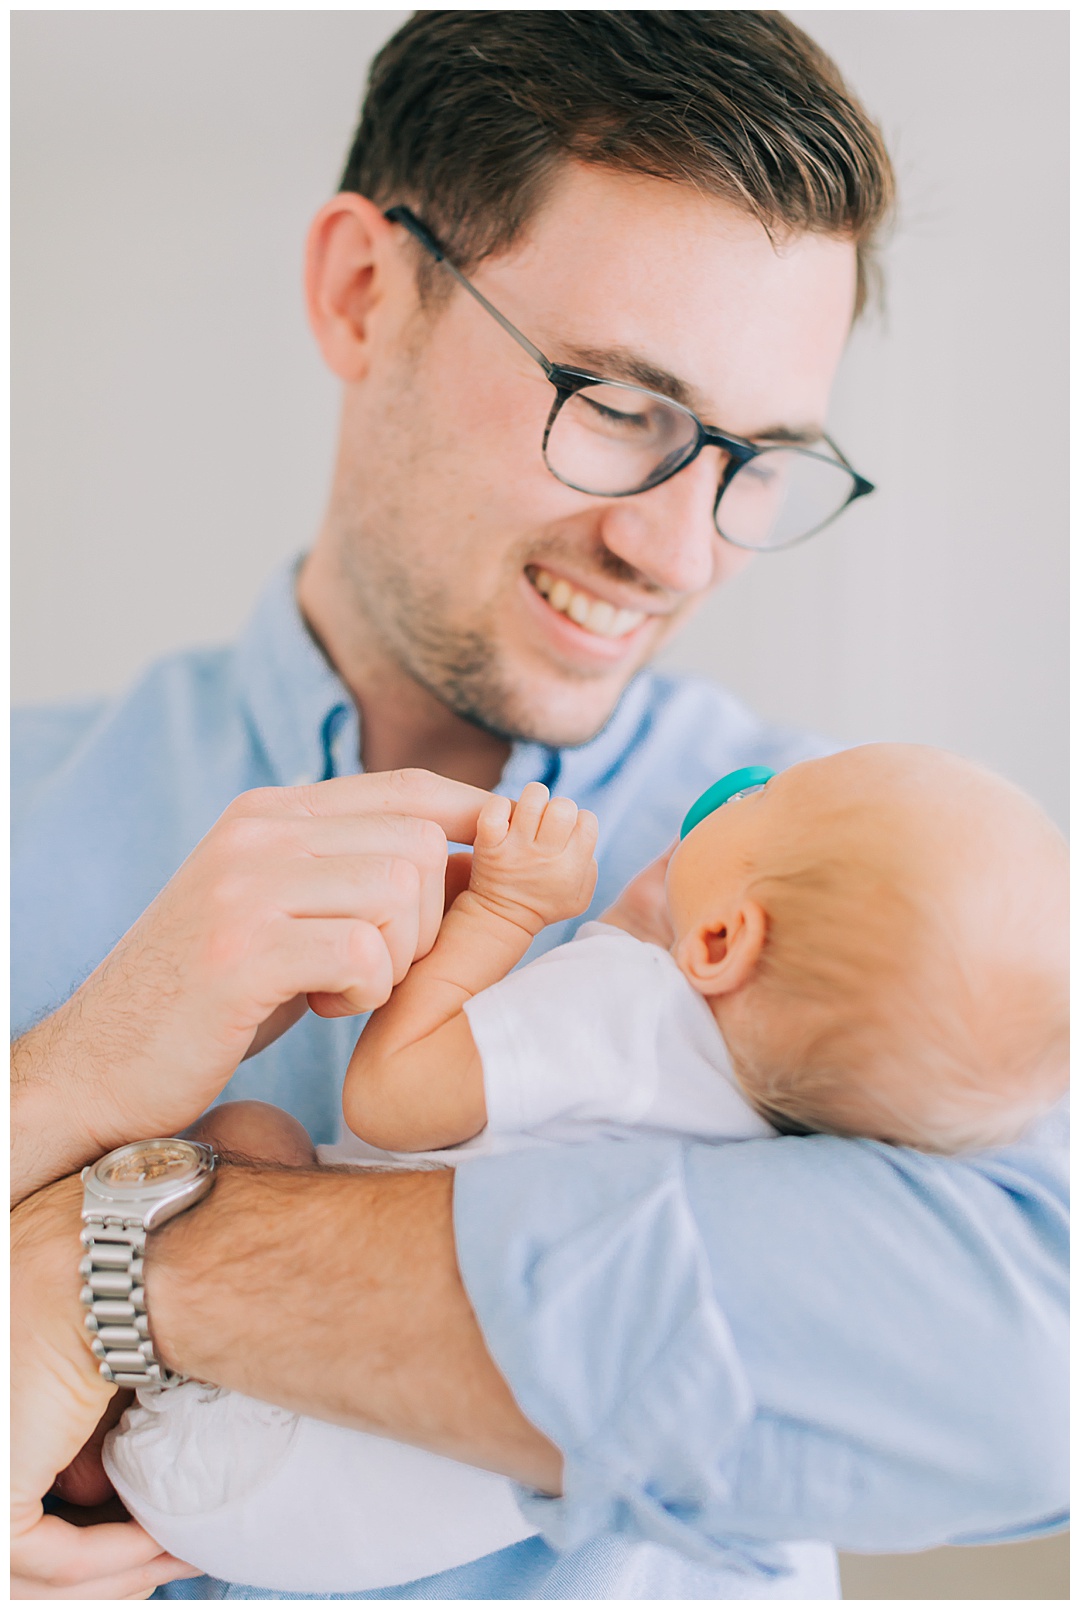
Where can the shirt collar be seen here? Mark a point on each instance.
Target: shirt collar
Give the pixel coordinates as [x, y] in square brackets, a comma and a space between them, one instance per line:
[307, 723]
[297, 704]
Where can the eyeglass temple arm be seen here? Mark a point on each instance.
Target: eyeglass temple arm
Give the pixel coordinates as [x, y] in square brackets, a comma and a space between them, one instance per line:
[402, 215]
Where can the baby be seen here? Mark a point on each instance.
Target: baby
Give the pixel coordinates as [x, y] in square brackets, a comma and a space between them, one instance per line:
[872, 944]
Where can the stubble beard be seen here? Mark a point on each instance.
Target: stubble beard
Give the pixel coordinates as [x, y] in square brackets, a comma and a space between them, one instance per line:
[463, 666]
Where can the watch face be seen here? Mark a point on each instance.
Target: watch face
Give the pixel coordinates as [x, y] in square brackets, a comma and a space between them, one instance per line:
[149, 1162]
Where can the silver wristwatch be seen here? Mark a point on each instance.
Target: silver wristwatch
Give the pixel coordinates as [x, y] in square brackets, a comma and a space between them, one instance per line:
[130, 1192]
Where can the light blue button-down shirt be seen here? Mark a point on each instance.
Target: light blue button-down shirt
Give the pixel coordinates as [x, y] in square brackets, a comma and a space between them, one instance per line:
[733, 1346]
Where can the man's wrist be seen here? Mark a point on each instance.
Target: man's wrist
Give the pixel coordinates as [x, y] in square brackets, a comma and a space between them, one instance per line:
[57, 1122]
[84, 1083]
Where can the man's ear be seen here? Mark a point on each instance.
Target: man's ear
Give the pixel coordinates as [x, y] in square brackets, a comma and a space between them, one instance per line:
[345, 274]
[720, 957]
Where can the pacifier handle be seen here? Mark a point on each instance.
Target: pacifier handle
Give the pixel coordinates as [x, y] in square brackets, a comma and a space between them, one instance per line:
[747, 780]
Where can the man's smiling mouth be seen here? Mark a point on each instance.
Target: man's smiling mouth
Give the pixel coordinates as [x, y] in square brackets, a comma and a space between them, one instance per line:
[592, 614]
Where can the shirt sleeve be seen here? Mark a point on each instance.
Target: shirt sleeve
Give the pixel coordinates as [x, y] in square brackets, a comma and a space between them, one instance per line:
[793, 1338]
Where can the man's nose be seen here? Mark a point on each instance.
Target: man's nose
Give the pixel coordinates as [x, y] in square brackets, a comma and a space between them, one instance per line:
[668, 534]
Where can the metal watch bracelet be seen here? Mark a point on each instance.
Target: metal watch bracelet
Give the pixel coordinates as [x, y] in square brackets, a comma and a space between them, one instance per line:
[116, 1303]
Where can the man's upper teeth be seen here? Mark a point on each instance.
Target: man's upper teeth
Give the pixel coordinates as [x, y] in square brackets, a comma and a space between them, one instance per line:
[594, 614]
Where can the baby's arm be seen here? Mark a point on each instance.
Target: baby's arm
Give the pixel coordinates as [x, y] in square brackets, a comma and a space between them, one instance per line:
[415, 1081]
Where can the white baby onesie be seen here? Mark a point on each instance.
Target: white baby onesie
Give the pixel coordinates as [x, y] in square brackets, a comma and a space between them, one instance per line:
[603, 1036]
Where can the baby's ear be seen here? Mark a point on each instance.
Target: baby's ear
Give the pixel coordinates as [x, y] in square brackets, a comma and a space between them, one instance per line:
[718, 958]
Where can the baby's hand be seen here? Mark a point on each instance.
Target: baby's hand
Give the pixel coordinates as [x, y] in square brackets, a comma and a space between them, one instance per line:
[533, 862]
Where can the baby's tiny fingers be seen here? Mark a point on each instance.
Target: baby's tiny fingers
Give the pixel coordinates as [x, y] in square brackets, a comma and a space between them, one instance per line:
[492, 823]
[529, 810]
[557, 824]
[586, 832]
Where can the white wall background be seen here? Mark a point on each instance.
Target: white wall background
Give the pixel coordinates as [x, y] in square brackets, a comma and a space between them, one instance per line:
[937, 610]
[173, 427]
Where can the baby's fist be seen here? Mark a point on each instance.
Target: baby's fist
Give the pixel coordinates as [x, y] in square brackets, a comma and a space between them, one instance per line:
[533, 861]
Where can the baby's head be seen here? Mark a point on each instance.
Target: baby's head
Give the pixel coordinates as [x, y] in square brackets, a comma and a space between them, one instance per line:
[882, 938]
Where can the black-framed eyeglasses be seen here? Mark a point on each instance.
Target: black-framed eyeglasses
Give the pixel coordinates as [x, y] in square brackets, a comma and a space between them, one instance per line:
[613, 439]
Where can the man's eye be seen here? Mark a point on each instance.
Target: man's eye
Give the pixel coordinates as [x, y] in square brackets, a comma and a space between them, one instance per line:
[617, 417]
[764, 471]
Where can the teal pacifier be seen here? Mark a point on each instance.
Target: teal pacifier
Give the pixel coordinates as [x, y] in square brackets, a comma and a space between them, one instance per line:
[747, 780]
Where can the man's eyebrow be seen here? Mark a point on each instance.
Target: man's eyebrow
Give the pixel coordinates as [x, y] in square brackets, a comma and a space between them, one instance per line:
[797, 435]
[620, 363]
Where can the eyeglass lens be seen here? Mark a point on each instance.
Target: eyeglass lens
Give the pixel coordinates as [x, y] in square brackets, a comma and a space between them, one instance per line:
[613, 440]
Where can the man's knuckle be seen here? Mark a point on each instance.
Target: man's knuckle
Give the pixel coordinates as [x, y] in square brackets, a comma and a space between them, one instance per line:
[254, 802]
[226, 948]
[412, 781]
[430, 841]
[403, 877]
[239, 835]
[228, 893]
[358, 944]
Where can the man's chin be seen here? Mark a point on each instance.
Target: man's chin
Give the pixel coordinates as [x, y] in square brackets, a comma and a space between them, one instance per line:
[561, 723]
[518, 700]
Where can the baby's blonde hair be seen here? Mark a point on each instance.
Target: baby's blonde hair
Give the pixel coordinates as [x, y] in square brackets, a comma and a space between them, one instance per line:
[901, 1018]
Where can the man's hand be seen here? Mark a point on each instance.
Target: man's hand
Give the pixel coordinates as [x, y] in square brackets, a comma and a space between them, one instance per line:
[58, 1399]
[533, 861]
[642, 908]
[322, 896]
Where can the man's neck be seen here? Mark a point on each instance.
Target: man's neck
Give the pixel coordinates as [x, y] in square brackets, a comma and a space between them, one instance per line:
[398, 729]
[401, 722]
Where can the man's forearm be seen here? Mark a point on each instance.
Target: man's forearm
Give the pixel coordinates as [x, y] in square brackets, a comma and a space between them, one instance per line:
[337, 1294]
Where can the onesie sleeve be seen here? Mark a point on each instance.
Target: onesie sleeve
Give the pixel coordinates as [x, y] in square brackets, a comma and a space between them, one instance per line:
[569, 1040]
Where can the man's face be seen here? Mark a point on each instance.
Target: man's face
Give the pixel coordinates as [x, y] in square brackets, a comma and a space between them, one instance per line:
[445, 515]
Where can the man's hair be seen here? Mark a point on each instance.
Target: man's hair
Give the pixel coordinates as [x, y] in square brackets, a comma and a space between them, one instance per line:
[470, 114]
